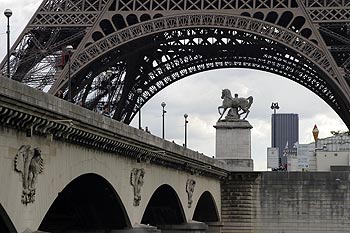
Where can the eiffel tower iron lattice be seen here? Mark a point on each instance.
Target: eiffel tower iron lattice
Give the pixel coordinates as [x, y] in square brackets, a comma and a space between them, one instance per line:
[123, 45]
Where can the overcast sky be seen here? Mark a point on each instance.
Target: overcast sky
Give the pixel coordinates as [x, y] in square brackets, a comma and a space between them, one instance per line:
[199, 96]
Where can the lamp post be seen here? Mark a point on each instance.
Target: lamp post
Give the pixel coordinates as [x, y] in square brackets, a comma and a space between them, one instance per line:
[163, 104]
[315, 132]
[69, 49]
[139, 92]
[274, 107]
[8, 14]
[186, 122]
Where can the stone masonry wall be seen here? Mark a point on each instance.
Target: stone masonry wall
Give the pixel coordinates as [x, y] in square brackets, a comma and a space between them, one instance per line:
[286, 202]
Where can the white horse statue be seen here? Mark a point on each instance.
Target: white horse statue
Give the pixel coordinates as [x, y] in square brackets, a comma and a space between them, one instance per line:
[238, 106]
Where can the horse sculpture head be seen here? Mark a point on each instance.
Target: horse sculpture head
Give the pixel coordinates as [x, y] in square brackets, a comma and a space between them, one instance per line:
[226, 92]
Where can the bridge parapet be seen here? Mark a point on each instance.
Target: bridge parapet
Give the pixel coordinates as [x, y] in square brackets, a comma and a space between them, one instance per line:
[35, 112]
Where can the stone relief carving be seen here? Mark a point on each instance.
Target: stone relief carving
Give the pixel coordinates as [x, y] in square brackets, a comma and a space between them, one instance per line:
[190, 184]
[30, 163]
[237, 106]
[136, 180]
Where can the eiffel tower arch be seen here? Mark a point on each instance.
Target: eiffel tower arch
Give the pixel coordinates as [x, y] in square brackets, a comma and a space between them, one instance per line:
[123, 46]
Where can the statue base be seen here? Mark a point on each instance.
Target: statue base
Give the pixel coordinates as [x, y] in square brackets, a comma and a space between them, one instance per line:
[233, 144]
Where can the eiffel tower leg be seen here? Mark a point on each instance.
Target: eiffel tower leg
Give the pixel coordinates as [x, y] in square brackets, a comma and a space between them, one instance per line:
[125, 104]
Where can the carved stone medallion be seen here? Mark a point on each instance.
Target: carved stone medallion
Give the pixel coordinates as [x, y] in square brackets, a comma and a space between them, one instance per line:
[136, 180]
[190, 184]
[30, 163]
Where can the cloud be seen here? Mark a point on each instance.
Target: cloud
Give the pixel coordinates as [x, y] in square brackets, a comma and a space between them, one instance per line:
[199, 97]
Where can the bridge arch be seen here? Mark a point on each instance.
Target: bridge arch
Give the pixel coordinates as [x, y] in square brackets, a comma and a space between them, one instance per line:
[164, 208]
[89, 202]
[206, 209]
[173, 47]
[6, 225]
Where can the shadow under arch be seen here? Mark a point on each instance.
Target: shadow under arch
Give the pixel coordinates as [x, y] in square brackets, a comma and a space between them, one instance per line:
[6, 225]
[206, 209]
[88, 203]
[164, 208]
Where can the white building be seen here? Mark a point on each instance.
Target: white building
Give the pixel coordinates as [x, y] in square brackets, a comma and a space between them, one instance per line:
[331, 153]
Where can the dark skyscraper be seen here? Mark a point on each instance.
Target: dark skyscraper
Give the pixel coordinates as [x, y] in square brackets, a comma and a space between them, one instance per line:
[286, 132]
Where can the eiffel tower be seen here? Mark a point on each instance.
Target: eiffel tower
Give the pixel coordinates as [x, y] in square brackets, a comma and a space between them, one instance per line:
[126, 51]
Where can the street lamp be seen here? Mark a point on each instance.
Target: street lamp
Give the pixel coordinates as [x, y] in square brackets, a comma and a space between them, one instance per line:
[186, 122]
[69, 49]
[274, 107]
[315, 132]
[8, 14]
[139, 92]
[163, 104]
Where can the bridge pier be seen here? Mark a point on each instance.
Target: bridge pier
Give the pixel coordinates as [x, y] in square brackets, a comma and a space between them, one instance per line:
[141, 228]
[214, 227]
[190, 227]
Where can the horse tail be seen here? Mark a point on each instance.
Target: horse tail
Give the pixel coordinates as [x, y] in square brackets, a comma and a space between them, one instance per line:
[250, 100]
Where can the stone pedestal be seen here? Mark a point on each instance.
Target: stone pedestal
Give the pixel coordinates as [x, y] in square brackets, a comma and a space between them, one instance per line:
[233, 144]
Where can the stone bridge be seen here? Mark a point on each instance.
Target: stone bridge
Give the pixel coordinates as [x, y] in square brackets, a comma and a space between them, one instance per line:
[65, 168]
